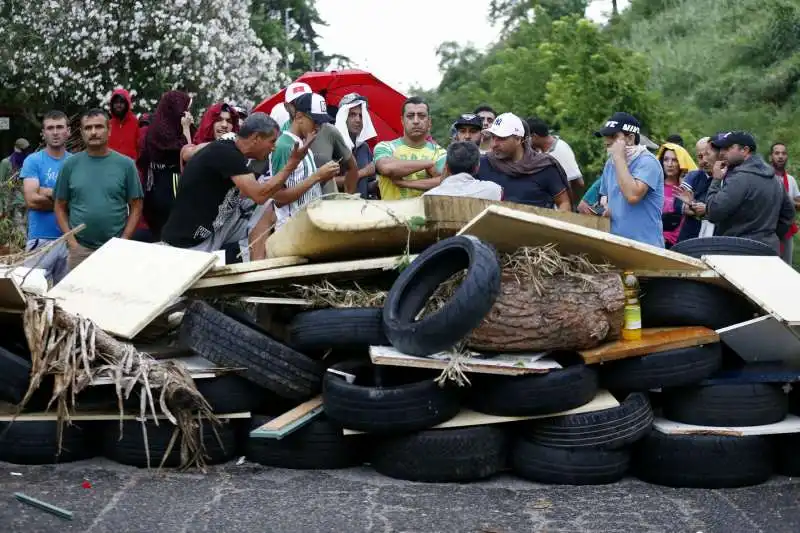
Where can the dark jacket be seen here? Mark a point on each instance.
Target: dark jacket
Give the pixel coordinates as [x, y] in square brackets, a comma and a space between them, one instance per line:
[750, 203]
[700, 181]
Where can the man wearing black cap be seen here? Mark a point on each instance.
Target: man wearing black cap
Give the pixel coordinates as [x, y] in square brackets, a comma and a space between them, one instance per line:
[632, 186]
[468, 128]
[745, 199]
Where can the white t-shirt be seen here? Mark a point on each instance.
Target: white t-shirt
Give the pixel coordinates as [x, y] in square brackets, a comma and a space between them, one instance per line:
[564, 155]
[465, 185]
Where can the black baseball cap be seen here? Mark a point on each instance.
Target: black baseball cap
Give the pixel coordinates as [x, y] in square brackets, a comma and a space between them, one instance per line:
[314, 106]
[620, 122]
[469, 119]
[729, 138]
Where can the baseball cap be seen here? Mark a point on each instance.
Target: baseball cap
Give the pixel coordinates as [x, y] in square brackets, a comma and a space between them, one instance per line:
[296, 89]
[313, 105]
[619, 122]
[469, 119]
[506, 125]
[729, 138]
[22, 143]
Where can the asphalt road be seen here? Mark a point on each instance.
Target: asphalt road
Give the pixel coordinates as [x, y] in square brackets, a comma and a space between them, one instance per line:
[233, 498]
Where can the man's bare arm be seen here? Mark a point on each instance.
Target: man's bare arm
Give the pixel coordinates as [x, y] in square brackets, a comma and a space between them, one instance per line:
[367, 171]
[562, 201]
[397, 169]
[36, 197]
[351, 178]
[61, 210]
[134, 213]
[420, 185]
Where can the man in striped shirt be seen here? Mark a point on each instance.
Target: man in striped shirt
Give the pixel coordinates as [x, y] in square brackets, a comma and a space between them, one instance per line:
[305, 183]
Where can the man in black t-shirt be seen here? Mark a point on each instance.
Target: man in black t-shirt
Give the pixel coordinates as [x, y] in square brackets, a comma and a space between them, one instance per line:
[207, 213]
[525, 176]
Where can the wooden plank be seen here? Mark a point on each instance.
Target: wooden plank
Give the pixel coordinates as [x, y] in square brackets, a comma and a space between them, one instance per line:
[763, 339]
[790, 424]
[653, 340]
[508, 229]
[33, 280]
[466, 417]
[12, 300]
[775, 288]
[265, 300]
[450, 212]
[253, 266]
[301, 273]
[125, 284]
[504, 365]
[290, 421]
[197, 367]
[7, 412]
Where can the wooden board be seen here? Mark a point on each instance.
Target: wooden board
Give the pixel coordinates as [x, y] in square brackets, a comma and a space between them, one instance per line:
[654, 340]
[197, 367]
[504, 365]
[290, 421]
[266, 300]
[791, 424]
[763, 339]
[12, 300]
[766, 280]
[7, 412]
[466, 417]
[454, 213]
[508, 229]
[253, 266]
[300, 273]
[125, 284]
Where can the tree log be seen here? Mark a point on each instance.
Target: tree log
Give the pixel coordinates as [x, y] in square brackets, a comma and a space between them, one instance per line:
[570, 314]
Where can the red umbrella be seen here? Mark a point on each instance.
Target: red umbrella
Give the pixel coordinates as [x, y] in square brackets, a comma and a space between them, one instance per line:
[384, 103]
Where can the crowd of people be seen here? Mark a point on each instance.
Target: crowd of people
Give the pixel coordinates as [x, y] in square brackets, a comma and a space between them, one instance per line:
[228, 183]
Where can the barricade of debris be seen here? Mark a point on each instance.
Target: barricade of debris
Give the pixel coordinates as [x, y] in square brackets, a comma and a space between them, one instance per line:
[436, 339]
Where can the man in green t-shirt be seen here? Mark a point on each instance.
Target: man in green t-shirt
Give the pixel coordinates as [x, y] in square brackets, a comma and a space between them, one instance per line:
[99, 188]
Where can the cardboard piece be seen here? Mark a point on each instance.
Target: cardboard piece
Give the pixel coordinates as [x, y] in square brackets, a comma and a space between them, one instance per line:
[776, 288]
[654, 340]
[290, 421]
[254, 266]
[505, 365]
[467, 417]
[197, 367]
[279, 276]
[763, 339]
[125, 284]
[508, 229]
[791, 424]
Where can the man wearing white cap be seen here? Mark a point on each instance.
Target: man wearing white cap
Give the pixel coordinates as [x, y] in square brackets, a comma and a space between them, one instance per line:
[294, 90]
[526, 177]
[305, 182]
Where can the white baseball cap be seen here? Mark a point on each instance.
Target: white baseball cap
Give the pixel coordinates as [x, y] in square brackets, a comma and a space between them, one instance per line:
[296, 89]
[506, 125]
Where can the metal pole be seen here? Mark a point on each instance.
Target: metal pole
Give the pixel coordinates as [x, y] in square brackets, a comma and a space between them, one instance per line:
[286, 29]
[313, 56]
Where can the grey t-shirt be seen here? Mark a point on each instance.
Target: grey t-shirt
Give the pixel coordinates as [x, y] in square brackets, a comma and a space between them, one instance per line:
[329, 145]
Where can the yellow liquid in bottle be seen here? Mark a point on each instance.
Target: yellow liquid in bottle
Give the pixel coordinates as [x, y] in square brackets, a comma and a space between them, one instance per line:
[632, 323]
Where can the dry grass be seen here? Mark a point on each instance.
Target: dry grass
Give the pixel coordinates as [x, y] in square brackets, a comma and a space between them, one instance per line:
[326, 294]
[75, 352]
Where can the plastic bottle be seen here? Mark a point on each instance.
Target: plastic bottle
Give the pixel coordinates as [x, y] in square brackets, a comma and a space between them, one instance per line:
[632, 325]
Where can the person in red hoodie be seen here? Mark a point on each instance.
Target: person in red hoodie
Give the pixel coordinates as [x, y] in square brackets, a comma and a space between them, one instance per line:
[123, 136]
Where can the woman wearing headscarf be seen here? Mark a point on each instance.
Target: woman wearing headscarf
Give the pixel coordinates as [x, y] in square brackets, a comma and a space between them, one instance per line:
[676, 162]
[169, 132]
[355, 124]
[218, 120]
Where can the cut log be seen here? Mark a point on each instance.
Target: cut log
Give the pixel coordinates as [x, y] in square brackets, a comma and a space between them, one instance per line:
[570, 314]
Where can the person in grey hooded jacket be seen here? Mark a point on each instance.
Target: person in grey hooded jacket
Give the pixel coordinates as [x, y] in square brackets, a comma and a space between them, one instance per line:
[744, 199]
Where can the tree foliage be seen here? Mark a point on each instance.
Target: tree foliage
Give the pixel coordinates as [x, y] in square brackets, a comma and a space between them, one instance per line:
[73, 54]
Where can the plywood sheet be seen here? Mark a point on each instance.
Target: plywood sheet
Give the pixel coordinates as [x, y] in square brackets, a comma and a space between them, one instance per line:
[504, 365]
[791, 424]
[301, 273]
[290, 421]
[125, 284]
[763, 339]
[253, 266]
[508, 229]
[466, 417]
[11, 298]
[766, 280]
[653, 340]
[449, 212]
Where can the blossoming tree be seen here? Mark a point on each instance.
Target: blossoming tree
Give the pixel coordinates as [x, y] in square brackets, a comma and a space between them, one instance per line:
[73, 54]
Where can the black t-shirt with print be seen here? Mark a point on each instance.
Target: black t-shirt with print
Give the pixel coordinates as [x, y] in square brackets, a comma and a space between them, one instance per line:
[207, 197]
[539, 189]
